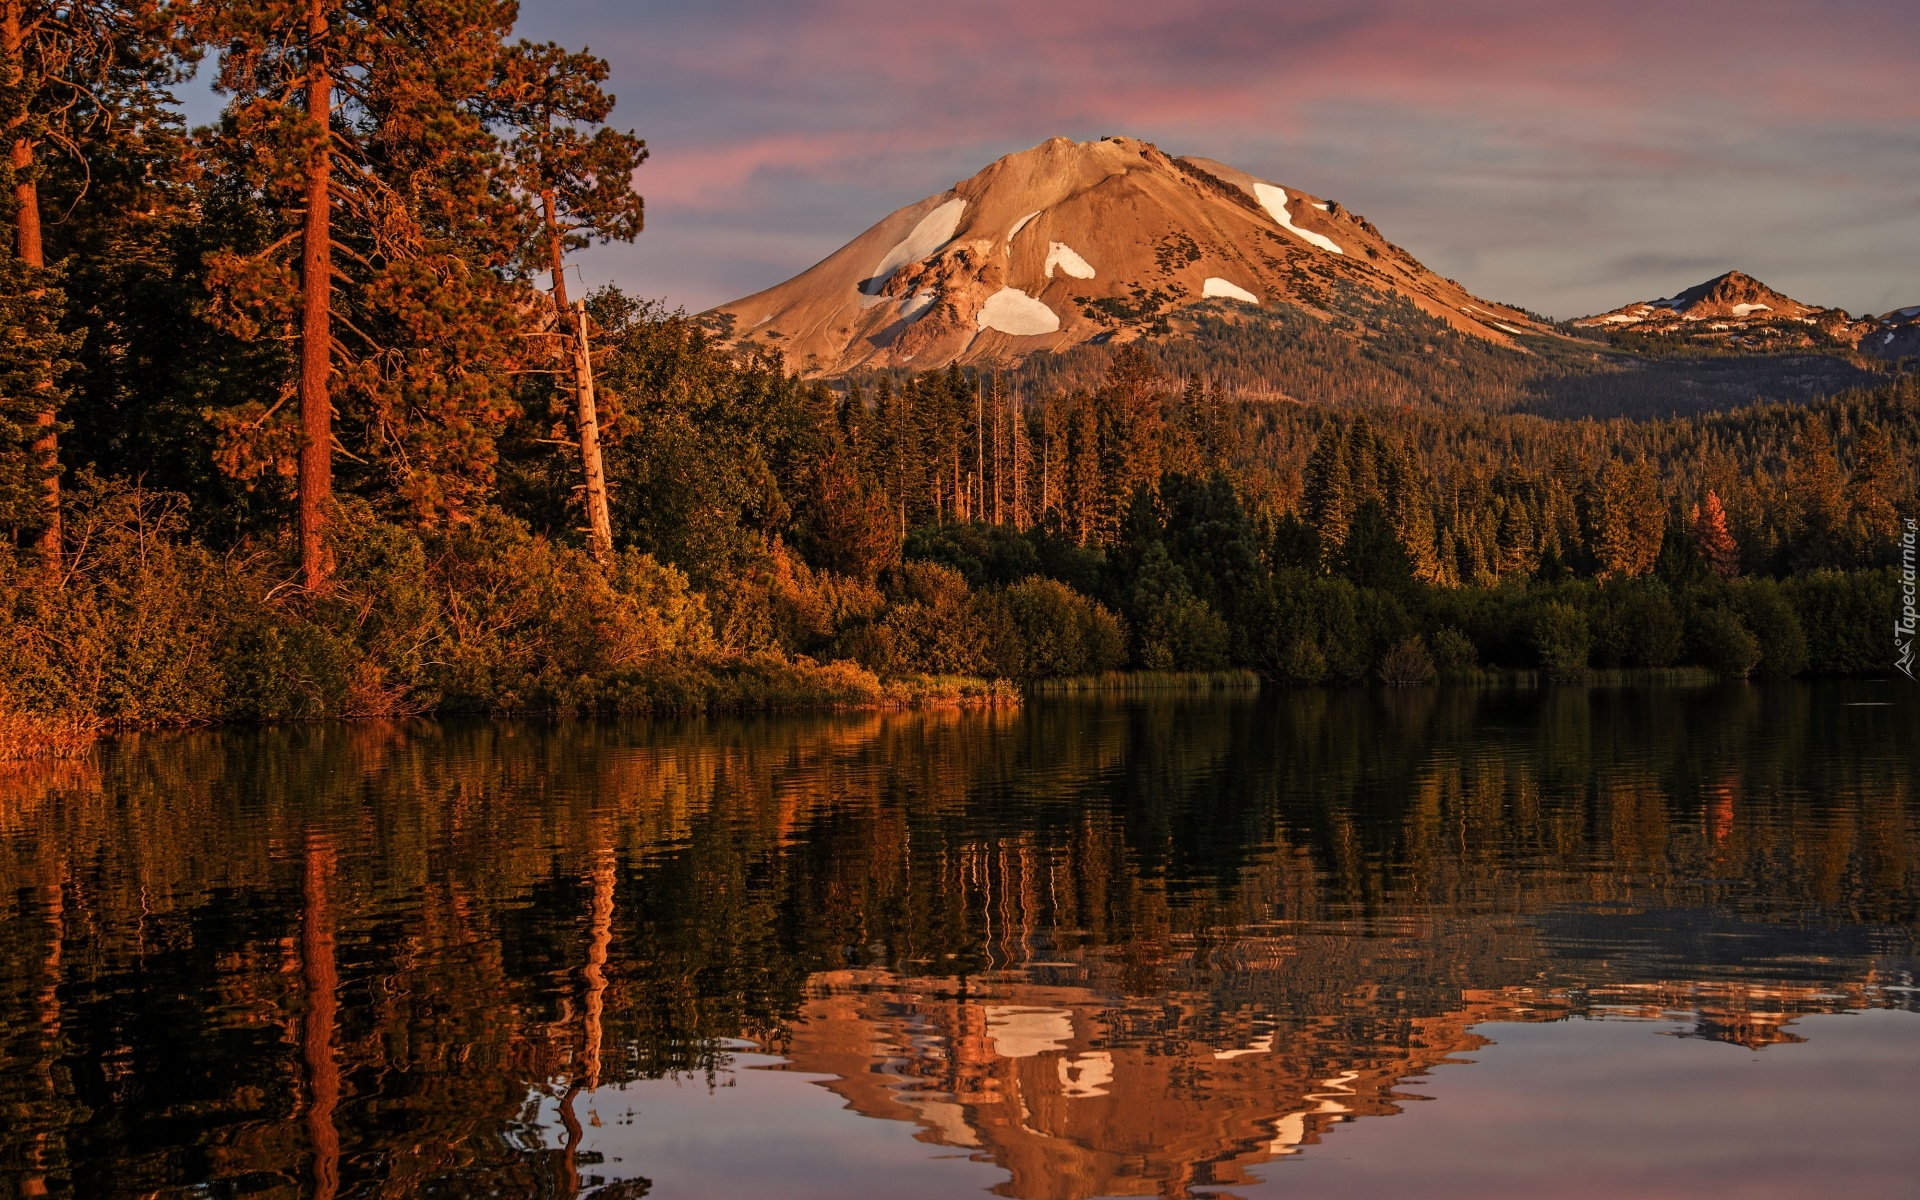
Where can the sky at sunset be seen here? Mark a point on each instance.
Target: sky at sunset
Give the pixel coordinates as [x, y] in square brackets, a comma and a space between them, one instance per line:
[1566, 157]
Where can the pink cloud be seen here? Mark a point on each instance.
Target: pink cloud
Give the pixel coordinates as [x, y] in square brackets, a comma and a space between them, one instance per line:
[859, 77]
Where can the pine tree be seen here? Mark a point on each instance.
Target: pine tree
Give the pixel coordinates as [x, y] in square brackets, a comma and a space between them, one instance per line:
[63, 68]
[1710, 534]
[1329, 499]
[358, 123]
[1817, 509]
[542, 96]
[33, 359]
[1084, 489]
[1873, 522]
[1131, 431]
[1518, 554]
[134, 206]
[1410, 510]
[849, 525]
[1363, 461]
[1627, 520]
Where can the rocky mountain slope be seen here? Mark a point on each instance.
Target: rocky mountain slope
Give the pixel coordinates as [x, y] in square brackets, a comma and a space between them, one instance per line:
[1078, 243]
[1898, 335]
[1736, 311]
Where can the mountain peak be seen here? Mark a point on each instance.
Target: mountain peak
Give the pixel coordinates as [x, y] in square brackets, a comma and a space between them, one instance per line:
[1074, 242]
[1735, 294]
[1737, 311]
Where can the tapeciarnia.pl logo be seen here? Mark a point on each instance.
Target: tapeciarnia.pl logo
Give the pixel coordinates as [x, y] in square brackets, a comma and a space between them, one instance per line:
[1903, 626]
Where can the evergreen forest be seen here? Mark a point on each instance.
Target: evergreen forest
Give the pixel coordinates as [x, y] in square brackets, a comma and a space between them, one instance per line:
[300, 418]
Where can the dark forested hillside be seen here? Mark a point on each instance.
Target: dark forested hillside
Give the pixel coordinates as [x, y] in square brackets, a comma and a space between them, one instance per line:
[1385, 351]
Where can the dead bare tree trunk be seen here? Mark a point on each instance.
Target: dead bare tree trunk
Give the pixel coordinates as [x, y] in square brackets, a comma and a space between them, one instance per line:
[316, 317]
[979, 497]
[599, 521]
[999, 465]
[586, 412]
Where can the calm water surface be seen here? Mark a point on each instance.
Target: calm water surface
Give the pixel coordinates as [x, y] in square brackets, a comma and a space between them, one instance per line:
[1580, 942]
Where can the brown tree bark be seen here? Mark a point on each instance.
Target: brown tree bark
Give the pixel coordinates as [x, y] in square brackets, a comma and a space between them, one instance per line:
[26, 197]
[586, 411]
[316, 317]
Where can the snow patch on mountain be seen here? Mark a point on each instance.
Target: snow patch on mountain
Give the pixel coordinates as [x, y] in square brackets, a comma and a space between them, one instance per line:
[1274, 200]
[914, 305]
[1741, 310]
[1021, 224]
[1011, 310]
[1216, 286]
[934, 231]
[1061, 255]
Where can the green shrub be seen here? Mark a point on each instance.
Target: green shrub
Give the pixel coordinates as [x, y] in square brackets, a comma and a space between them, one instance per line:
[1764, 610]
[1454, 656]
[1634, 624]
[1304, 630]
[1182, 635]
[1406, 664]
[1847, 619]
[1559, 635]
[135, 632]
[1041, 629]
[1302, 663]
[986, 555]
[1176, 630]
[810, 609]
[760, 682]
[1718, 640]
[930, 626]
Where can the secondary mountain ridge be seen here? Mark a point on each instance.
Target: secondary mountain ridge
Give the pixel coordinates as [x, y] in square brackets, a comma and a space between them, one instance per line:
[1737, 311]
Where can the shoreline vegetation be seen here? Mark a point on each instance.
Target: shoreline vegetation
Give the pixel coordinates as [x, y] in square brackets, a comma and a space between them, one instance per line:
[298, 422]
[1191, 580]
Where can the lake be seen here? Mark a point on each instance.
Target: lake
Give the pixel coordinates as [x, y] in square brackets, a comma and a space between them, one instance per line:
[1580, 941]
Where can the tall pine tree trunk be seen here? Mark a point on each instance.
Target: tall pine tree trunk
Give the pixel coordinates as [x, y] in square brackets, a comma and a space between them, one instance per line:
[316, 320]
[586, 412]
[26, 198]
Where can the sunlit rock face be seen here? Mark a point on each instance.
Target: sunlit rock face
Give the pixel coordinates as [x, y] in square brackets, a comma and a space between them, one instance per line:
[1070, 242]
[1736, 311]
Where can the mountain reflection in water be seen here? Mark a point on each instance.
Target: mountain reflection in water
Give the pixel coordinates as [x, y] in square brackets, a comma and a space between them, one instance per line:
[1077, 950]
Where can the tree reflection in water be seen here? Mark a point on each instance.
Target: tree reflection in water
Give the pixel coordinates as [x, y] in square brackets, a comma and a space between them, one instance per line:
[1111, 949]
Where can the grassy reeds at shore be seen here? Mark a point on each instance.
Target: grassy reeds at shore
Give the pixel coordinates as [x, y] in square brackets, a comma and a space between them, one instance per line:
[779, 683]
[1140, 683]
[26, 736]
[1601, 677]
